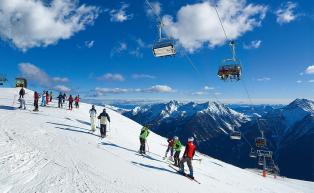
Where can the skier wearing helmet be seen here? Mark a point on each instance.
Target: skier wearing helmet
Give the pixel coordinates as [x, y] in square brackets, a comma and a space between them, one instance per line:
[177, 148]
[188, 156]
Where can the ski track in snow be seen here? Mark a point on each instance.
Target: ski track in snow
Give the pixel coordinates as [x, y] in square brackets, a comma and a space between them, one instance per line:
[53, 151]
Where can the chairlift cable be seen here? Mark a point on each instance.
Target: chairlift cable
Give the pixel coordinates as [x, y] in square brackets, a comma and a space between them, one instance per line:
[221, 24]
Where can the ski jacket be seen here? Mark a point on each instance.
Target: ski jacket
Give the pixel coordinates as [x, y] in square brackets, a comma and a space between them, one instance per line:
[60, 97]
[77, 99]
[70, 99]
[144, 133]
[22, 92]
[189, 150]
[170, 142]
[92, 112]
[104, 118]
[36, 96]
[177, 145]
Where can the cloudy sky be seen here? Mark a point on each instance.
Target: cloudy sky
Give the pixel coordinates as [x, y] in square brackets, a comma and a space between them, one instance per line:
[102, 49]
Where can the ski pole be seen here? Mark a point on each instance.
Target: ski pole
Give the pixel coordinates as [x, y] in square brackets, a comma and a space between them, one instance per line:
[147, 145]
[13, 103]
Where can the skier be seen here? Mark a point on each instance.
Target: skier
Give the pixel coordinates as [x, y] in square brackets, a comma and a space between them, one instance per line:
[93, 114]
[77, 100]
[169, 148]
[60, 98]
[50, 96]
[104, 119]
[177, 148]
[22, 92]
[143, 135]
[64, 97]
[70, 102]
[43, 99]
[36, 98]
[22, 103]
[47, 97]
[188, 156]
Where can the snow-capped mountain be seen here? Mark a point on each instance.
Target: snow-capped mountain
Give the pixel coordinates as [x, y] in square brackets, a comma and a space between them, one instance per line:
[54, 151]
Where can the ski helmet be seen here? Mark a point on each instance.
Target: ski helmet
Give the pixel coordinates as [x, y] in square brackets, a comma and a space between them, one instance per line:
[191, 139]
[175, 137]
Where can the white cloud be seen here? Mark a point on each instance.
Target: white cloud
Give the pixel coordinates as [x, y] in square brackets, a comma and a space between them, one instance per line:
[299, 81]
[104, 91]
[62, 88]
[311, 81]
[207, 88]
[121, 47]
[112, 77]
[32, 23]
[198, 93]
[198, 24]
[143, 76]
[159, 89]
[34, 74]
[60, 79]
[262, 79]
[154, 10]
[310, 70]
[253, 45]
[89, 44]
[285, 14]
[120, 15]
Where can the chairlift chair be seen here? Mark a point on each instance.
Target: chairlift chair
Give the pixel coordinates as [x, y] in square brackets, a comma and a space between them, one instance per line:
[20, 82]
[253, 153]
[164, 46]
[260, 142]
[260, 161]
[235, 135]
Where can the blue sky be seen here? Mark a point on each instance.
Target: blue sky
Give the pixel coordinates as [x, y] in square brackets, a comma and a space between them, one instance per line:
[101, 49]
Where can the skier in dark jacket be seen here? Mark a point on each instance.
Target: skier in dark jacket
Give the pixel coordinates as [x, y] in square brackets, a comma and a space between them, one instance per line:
[64, 98]
[60, 98]
[104, 119]
[70, 102]
[143, 136]
[36, 98]
[188, 156]
[22, 92]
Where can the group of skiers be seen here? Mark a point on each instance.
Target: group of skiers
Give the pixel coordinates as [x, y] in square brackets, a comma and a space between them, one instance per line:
[63, 97]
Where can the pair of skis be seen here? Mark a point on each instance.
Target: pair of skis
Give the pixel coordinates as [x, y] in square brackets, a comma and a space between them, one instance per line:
[184, 174]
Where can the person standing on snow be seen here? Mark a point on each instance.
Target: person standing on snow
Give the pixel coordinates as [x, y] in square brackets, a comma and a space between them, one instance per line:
[36, 99]
[50, 96]
[177, 148]
[64, 98]
[143, 136]
[188, 156]
[47, 97]
[60, 98]
[77, 100]
[70, 102]
[169, 148]
[43, 99]
[22, 92]
[104, 119]
[92, 115]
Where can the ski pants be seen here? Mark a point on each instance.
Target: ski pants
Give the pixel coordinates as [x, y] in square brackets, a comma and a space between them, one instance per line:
[176, 158]
[142, 147]
[103, 129]
[22, 104]
[43, 102]
[59, 103]
[169, 149]
[36, 104]
[189, 162]
[70, 105]
[93, 123]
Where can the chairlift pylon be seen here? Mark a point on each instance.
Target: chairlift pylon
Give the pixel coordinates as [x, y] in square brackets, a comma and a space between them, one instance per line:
[163, 46]
[230, 68]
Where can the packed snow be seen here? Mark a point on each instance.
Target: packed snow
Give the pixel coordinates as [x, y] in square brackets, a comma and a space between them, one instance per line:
[53, 151]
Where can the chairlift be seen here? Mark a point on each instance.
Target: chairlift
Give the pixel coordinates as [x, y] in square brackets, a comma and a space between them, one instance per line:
[164, 46]
[260, 161]
[230, 67]
[20, 82]
[253, 153]
[260, 142]
[235, 135]
[3, 80]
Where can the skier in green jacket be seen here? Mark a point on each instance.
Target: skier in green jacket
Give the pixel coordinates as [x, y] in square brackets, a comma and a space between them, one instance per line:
[177, 146]
[143, 135]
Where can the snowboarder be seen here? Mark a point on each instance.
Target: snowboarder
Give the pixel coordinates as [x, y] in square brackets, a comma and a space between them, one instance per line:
[93, 114]
[43, 99]
[77, 100]
[60, 98]
[50, 96]
[22, 92]
[143, 136]
[177, 148]
[104, 119]
[188, 156]
[22, 103]
[47, 97]
[70, 102]
[36, 98]
[169, 148]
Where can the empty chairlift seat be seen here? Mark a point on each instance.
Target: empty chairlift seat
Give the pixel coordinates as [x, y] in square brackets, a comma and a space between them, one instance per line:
[235, 135]
[163, 49]
[253, 153]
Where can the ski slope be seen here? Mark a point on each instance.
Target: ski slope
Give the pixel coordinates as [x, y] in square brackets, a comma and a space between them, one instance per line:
[52, 151]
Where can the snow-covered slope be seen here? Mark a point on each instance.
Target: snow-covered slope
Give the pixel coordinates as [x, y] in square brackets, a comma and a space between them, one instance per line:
[53, 151]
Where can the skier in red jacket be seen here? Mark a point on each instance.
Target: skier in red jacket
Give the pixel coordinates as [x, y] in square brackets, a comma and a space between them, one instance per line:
[188, 156]
[70, 102]
[169, 148]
